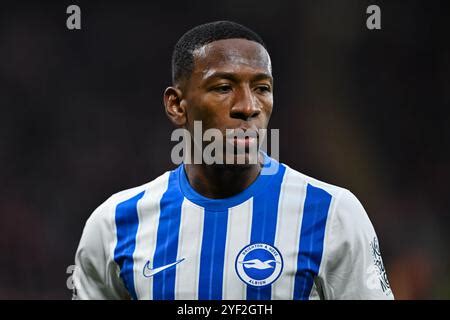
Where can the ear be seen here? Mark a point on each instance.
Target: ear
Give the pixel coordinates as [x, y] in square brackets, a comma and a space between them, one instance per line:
[175, 108]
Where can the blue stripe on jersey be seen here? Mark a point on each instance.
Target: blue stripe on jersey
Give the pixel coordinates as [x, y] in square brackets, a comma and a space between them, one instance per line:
[264, 225]
[212, 255]
[127, 222]
[315, 212]
[167, 240]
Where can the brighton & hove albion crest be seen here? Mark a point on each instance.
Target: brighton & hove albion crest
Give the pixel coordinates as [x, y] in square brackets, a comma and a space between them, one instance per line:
[259, 264]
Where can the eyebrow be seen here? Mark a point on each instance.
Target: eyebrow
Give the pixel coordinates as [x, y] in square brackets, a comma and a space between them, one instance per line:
[232, 76]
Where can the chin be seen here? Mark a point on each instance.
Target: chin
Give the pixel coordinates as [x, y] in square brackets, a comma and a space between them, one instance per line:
[244, 159]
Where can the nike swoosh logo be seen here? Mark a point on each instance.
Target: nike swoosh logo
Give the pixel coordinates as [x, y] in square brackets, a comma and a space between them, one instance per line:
[149, 272]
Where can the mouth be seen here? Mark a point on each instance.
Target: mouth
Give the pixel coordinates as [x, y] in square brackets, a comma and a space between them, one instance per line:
[245, 142]
[242, 138]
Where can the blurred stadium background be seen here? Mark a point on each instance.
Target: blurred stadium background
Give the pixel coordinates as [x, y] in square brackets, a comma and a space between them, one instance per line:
[82, 118]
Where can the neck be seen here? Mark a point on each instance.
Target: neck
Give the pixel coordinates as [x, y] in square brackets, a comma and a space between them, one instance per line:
[221, 181]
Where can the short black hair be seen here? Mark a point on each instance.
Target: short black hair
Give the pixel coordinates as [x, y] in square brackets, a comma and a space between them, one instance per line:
[183, 58]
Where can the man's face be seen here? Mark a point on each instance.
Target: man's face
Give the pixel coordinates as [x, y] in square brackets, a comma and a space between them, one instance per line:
[230, 87]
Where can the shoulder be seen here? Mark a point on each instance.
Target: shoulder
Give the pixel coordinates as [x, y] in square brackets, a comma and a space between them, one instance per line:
[105, 213]
[344, 207]
[303, 180]
[347, 224]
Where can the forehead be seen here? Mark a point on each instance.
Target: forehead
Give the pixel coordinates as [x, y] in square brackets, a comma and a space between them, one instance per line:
[232, 54]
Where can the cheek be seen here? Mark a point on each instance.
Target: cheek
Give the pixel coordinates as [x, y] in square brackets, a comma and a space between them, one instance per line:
[267, 107]
[211, 113]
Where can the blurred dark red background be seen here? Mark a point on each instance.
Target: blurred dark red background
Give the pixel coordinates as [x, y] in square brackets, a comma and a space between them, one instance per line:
[82, 118]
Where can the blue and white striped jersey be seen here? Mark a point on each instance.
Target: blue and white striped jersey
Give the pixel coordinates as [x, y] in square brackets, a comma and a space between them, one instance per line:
[287, 236]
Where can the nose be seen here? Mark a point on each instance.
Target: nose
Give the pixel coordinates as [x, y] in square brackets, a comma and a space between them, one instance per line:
[245, 106]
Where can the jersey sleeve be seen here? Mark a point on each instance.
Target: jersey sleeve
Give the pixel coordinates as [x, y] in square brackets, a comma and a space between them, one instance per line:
[352, 267]
[96, 275]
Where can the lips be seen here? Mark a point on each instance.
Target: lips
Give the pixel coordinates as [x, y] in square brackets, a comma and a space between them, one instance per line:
[241, 133]
[244, 142]
[242, 138]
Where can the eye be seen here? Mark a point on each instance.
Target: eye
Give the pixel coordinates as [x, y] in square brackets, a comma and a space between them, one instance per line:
[224, 88]
[263, 89]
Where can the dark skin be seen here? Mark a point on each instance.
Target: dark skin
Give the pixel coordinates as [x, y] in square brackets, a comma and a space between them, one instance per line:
[230, 87]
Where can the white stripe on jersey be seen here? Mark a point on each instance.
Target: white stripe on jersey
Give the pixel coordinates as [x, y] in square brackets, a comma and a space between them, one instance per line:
[148, 213]
[238, 236]
[189, 249]
[290, 213]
